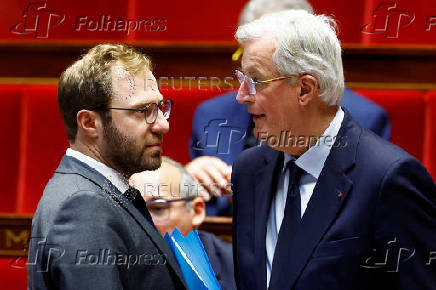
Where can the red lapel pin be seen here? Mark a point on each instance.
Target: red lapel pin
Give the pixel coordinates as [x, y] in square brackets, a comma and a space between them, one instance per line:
[339, 195]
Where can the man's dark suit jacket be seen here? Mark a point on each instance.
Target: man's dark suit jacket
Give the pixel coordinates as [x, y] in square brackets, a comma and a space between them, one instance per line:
[220, 127]
[370, 223]
[87, 235]
[220, 258]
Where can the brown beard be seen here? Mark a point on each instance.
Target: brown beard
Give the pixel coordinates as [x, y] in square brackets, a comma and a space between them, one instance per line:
[125, 155]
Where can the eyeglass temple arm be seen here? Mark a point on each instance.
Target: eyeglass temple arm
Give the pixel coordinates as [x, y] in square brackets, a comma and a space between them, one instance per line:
[277, 79]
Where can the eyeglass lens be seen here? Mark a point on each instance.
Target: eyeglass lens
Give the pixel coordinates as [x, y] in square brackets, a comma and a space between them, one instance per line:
[241, 78]
[151, 113]
[159, 211]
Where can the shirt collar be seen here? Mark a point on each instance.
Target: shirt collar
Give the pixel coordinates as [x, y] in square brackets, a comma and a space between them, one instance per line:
[111, 174]
[312, 161]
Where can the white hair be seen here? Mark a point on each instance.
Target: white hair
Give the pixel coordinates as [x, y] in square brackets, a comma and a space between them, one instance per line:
[254, 9]
[305, 44]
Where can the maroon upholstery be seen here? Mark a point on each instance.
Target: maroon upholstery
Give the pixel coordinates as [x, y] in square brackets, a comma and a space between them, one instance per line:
[406, 111]
[12, 277]
[42, 144]
[10, 98]
[41, 139]
[186, 100]
[430, 134]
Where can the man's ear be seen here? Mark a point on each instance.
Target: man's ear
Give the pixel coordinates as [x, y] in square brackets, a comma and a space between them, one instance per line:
[199, 211]
[308, 89]
[89, 123]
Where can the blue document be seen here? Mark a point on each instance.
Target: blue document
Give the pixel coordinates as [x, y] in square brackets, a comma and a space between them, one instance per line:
[192, 259]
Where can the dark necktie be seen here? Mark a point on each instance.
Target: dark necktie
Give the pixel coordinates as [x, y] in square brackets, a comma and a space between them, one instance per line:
[251, 140]
[135, 197]
[290, 223]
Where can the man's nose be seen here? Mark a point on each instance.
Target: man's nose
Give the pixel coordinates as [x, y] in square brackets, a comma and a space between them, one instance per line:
[161, 124]
[244, 95]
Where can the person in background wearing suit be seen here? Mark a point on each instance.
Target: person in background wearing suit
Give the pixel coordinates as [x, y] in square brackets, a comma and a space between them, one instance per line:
[223, 119]
[91, 230]
[332, 205]
[173, 200]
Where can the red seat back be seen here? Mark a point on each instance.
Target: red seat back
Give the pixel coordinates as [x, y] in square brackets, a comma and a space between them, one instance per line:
[10, 98]
[12, 277]
[186, 100]
[429, 158]
[406, 110]
[42, 143]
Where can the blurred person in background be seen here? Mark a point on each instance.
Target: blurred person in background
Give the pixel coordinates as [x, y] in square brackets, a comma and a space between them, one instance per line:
[173, 200]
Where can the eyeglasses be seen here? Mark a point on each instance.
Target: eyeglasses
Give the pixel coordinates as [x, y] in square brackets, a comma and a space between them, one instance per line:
[252, 83]
[160, 209]
[150, 110]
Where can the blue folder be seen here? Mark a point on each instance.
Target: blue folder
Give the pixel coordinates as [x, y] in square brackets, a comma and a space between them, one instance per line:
[192, 259]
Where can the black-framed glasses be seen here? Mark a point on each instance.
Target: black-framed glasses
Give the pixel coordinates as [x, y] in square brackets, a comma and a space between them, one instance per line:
[150, 110]
[160, 209]
[252, 83]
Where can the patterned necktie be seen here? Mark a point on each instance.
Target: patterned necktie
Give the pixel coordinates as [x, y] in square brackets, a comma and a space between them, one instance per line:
[291, 218]
[135, 197]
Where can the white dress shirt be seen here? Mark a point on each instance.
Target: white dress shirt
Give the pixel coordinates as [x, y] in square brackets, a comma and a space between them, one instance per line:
[111, 174]
[312, 162]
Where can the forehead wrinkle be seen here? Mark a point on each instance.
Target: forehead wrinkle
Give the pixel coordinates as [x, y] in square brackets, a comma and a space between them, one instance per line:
[261, 60]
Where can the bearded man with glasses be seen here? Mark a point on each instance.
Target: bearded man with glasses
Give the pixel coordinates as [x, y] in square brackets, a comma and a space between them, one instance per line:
[91, 230]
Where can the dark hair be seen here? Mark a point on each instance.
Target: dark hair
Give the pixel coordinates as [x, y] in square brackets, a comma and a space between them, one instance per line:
[87, 83]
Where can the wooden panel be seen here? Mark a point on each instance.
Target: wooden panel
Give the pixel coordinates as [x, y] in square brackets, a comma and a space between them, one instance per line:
[362, 64]
[15, 232]
[220, 226]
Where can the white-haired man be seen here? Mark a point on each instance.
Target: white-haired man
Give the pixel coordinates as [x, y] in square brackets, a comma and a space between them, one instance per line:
[322, 205]
[212, 164]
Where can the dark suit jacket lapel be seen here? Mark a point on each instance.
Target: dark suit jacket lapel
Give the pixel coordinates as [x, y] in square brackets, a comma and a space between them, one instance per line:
[241, 119]
[328, 197]
[265, 187]
[74, 166]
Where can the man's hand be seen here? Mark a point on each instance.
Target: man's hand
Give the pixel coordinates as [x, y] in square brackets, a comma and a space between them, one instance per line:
[212, 173]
